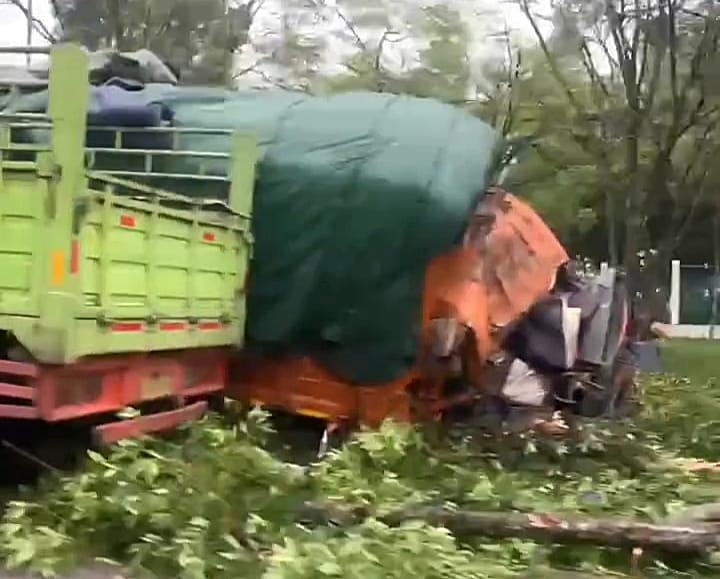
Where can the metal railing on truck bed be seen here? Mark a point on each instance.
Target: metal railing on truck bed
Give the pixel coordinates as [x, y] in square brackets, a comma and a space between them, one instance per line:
[100, 261]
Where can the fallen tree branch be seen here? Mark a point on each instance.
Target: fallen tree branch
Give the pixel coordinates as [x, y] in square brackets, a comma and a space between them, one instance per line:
[696, 465]
[572, 530]
[552, 573]
[568, 530]
[708, 513]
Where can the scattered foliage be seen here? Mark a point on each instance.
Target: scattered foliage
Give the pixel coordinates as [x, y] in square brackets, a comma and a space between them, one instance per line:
[213, 503]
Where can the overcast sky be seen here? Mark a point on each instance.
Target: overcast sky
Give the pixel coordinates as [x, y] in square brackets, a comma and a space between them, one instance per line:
[485, 19]
[13, 26]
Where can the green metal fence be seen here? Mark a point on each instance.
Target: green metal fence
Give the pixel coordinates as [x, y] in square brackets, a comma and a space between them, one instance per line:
[697, 283]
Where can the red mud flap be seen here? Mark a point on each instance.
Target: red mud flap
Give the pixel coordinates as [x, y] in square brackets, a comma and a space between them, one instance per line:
[152, 423]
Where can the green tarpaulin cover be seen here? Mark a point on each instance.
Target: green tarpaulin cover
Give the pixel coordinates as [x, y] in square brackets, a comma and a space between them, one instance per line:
[355, 194]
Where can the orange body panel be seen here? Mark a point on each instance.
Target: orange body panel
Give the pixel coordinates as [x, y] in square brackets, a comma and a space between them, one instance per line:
[301, 386]
[508, 261]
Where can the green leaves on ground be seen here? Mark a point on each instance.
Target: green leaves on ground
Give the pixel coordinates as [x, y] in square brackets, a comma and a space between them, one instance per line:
[213, 503]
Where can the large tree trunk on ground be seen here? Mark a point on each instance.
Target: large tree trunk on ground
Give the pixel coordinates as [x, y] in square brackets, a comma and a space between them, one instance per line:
[551, 573]
[570, 530]
[679, 538]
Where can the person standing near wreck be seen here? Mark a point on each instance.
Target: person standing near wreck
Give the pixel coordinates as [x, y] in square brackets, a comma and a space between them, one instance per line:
[640, 351]
[645, 323]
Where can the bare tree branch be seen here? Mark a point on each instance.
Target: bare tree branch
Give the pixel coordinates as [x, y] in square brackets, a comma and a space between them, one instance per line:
[512, 75]
[672, 46]
[601, 41]
[681, 95]
[248, 69]
[663, 86]
[698, 198]
[37, 24]
[57, 12]
[635, 44]
[644, 53]
[703, 145]
[590, 144]
[652, 90]
[160, 30]
[377, 65]
[277, 83]
[254, 6]
[626, 55]
[701, 52]
[555, 69]
[589, 64]
[346, 21]
[351, 28]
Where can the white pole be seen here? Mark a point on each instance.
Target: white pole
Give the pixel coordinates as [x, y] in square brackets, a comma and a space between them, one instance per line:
[675, 292]
[604, 266]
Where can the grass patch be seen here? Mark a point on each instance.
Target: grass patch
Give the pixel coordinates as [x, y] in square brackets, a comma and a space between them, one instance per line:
[696, 360]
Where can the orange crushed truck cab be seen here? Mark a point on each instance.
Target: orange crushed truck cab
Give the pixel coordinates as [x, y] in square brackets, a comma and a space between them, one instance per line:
[507, 262]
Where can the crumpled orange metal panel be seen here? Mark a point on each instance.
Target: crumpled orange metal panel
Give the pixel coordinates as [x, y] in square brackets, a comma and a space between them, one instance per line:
[519, 261]
[507, 261]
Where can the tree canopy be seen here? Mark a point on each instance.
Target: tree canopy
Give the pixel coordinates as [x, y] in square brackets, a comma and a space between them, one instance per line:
[197, 37]
[645, 113]
[620, 100]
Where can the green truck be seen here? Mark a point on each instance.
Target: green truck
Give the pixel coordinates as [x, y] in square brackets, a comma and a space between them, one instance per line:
[114, 293]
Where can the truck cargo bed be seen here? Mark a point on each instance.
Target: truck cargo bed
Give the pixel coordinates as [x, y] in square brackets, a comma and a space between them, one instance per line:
[94, 262]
